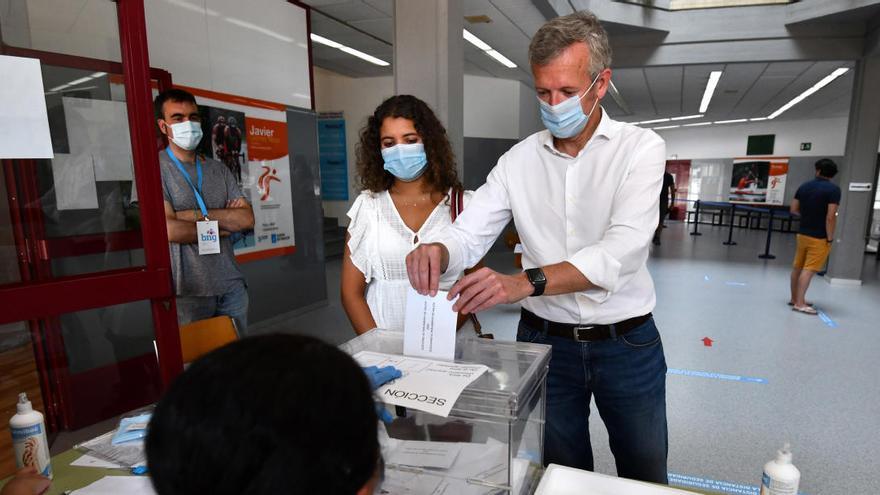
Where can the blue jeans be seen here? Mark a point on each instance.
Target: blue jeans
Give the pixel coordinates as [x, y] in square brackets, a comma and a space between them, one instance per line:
[234, 304]
[627, 376]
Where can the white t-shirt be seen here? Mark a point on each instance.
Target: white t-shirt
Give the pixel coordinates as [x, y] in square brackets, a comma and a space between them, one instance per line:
[379, 242]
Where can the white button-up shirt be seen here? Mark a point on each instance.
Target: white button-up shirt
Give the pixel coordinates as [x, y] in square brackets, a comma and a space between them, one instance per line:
[597, 210]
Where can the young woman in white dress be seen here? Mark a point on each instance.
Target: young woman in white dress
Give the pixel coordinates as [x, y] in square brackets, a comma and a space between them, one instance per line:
[410, 189]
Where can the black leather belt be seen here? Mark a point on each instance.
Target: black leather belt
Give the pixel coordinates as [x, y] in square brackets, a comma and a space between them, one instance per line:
[583, 333]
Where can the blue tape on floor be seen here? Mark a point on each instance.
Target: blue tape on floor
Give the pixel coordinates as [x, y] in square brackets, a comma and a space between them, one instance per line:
[827, 319]
[714, 485]
[706, 278]
[736, 284]
[718, 376]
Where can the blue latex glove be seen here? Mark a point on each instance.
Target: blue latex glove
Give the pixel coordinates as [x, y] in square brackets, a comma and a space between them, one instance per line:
[378, 377]
[381, 376]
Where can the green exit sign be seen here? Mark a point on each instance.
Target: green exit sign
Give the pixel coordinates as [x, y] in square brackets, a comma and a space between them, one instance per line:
[806, 146]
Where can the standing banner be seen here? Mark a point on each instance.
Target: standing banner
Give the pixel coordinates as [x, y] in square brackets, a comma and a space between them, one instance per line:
[333, 156]
[250, 138]
[758, 181]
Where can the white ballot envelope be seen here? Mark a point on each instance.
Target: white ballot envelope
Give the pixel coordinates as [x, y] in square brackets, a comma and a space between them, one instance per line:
[429, 326]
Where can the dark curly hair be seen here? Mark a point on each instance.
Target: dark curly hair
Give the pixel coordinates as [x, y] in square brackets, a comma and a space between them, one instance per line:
[441, 172]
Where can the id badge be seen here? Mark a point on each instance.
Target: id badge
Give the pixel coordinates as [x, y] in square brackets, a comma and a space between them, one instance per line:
[209, 237]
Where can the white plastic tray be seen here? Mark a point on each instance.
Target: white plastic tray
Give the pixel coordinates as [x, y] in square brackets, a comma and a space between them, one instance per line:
[562, 480]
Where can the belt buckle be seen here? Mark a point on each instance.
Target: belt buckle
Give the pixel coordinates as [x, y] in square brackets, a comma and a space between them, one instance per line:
[578, 328]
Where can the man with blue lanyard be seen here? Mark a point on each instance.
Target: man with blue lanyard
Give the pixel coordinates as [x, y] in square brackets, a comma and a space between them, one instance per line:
[203, 206]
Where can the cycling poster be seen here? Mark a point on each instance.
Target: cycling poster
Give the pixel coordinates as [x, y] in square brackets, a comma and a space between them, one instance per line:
[758, 181]
[224, 138]
[251, 140]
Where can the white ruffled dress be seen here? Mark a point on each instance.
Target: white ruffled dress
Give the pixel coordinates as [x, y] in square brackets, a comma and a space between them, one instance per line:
[379, 242]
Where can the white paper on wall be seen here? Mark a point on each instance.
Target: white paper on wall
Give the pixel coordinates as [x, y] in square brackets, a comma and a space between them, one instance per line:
[113, 166]
[74, 177]
[99, 127]
[24, 126]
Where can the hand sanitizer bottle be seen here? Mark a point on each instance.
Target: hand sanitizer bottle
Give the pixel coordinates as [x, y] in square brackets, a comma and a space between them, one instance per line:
[780, 475]
[29, 437]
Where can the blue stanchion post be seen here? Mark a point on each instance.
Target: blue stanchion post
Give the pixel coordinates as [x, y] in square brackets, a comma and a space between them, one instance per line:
[696, 219]
[730, 241]
[767, 255]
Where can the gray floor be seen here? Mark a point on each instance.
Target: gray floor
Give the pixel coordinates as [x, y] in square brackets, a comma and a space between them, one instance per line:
[821, 391]
[817, 380]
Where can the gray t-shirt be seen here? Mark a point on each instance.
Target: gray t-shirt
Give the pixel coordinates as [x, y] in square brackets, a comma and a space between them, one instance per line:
[211, 274]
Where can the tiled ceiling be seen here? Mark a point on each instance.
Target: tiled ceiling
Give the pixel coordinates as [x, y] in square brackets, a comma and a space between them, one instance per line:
[746, 90]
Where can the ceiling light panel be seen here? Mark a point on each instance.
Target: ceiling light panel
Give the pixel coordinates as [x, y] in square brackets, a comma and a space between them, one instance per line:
[488, 50]
[810, 91]
[711, 84]
[347, 49]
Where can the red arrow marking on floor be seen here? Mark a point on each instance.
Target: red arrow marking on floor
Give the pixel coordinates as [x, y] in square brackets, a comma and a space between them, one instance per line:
[707, 341]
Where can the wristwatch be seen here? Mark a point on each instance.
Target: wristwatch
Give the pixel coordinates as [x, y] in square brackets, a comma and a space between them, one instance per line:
[537, 279]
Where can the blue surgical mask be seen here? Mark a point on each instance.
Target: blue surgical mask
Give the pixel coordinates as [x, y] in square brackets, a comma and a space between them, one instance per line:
[566, 119]
[186, 134]
[407, 162]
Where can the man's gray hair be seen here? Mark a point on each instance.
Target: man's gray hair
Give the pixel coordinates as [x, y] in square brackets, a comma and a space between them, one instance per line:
[558, 34]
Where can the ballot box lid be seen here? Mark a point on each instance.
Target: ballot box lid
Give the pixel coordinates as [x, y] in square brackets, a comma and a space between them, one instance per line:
[512, 387]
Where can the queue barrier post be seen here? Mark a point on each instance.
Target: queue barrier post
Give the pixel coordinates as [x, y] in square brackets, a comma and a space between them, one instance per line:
[767, 255]
[730, 241]
[696, 219]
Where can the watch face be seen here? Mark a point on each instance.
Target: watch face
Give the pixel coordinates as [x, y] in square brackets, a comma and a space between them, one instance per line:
[536, 276]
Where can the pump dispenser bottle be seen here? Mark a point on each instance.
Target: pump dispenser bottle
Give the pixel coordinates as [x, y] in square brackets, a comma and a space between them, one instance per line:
[29, 437]
[780, 475]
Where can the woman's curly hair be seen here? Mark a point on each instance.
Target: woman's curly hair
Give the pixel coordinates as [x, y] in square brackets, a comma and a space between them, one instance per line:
[441, 173]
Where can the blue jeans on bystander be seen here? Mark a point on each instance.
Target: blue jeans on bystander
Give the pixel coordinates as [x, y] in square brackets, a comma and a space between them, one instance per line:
[234, 304]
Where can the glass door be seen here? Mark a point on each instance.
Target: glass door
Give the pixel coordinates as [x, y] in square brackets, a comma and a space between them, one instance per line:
[87, 325]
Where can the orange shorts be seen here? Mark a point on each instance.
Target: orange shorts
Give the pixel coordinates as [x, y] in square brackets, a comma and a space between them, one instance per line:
[811, 254]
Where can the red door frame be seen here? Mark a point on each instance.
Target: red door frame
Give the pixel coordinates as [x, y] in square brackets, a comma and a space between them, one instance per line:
[46, 298]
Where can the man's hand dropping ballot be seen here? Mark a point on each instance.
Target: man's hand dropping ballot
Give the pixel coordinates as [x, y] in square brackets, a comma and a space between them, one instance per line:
[429, 326]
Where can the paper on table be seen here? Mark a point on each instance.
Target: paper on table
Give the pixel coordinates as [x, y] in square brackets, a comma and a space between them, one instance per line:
[438, 455]
[128, 454]
[114, 485]
[24, 128]
[74, 177]
[426, 385]
[429, 326]
[87, 460]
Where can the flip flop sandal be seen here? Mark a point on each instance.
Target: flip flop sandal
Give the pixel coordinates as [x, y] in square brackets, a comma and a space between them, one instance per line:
[792, 304]
[805, 309]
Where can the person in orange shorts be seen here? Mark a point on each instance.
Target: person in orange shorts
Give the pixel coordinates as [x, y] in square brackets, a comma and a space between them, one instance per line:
[816, 202]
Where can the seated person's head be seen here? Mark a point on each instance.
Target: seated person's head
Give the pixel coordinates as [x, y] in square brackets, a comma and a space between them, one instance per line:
[273, 414]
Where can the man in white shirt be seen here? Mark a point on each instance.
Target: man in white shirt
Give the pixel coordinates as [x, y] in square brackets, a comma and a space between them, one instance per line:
[584, 197]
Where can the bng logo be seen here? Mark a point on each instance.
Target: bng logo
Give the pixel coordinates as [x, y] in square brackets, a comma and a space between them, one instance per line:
[209, 236]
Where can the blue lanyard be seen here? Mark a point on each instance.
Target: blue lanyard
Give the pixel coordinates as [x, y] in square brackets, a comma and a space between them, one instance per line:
[196, 191]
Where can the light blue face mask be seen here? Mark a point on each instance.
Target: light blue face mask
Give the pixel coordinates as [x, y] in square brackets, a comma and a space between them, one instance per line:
[407, 162]
[132, 428]
[566, 119]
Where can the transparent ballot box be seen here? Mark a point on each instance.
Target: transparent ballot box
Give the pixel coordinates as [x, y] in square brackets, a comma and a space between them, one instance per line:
[492, 442]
